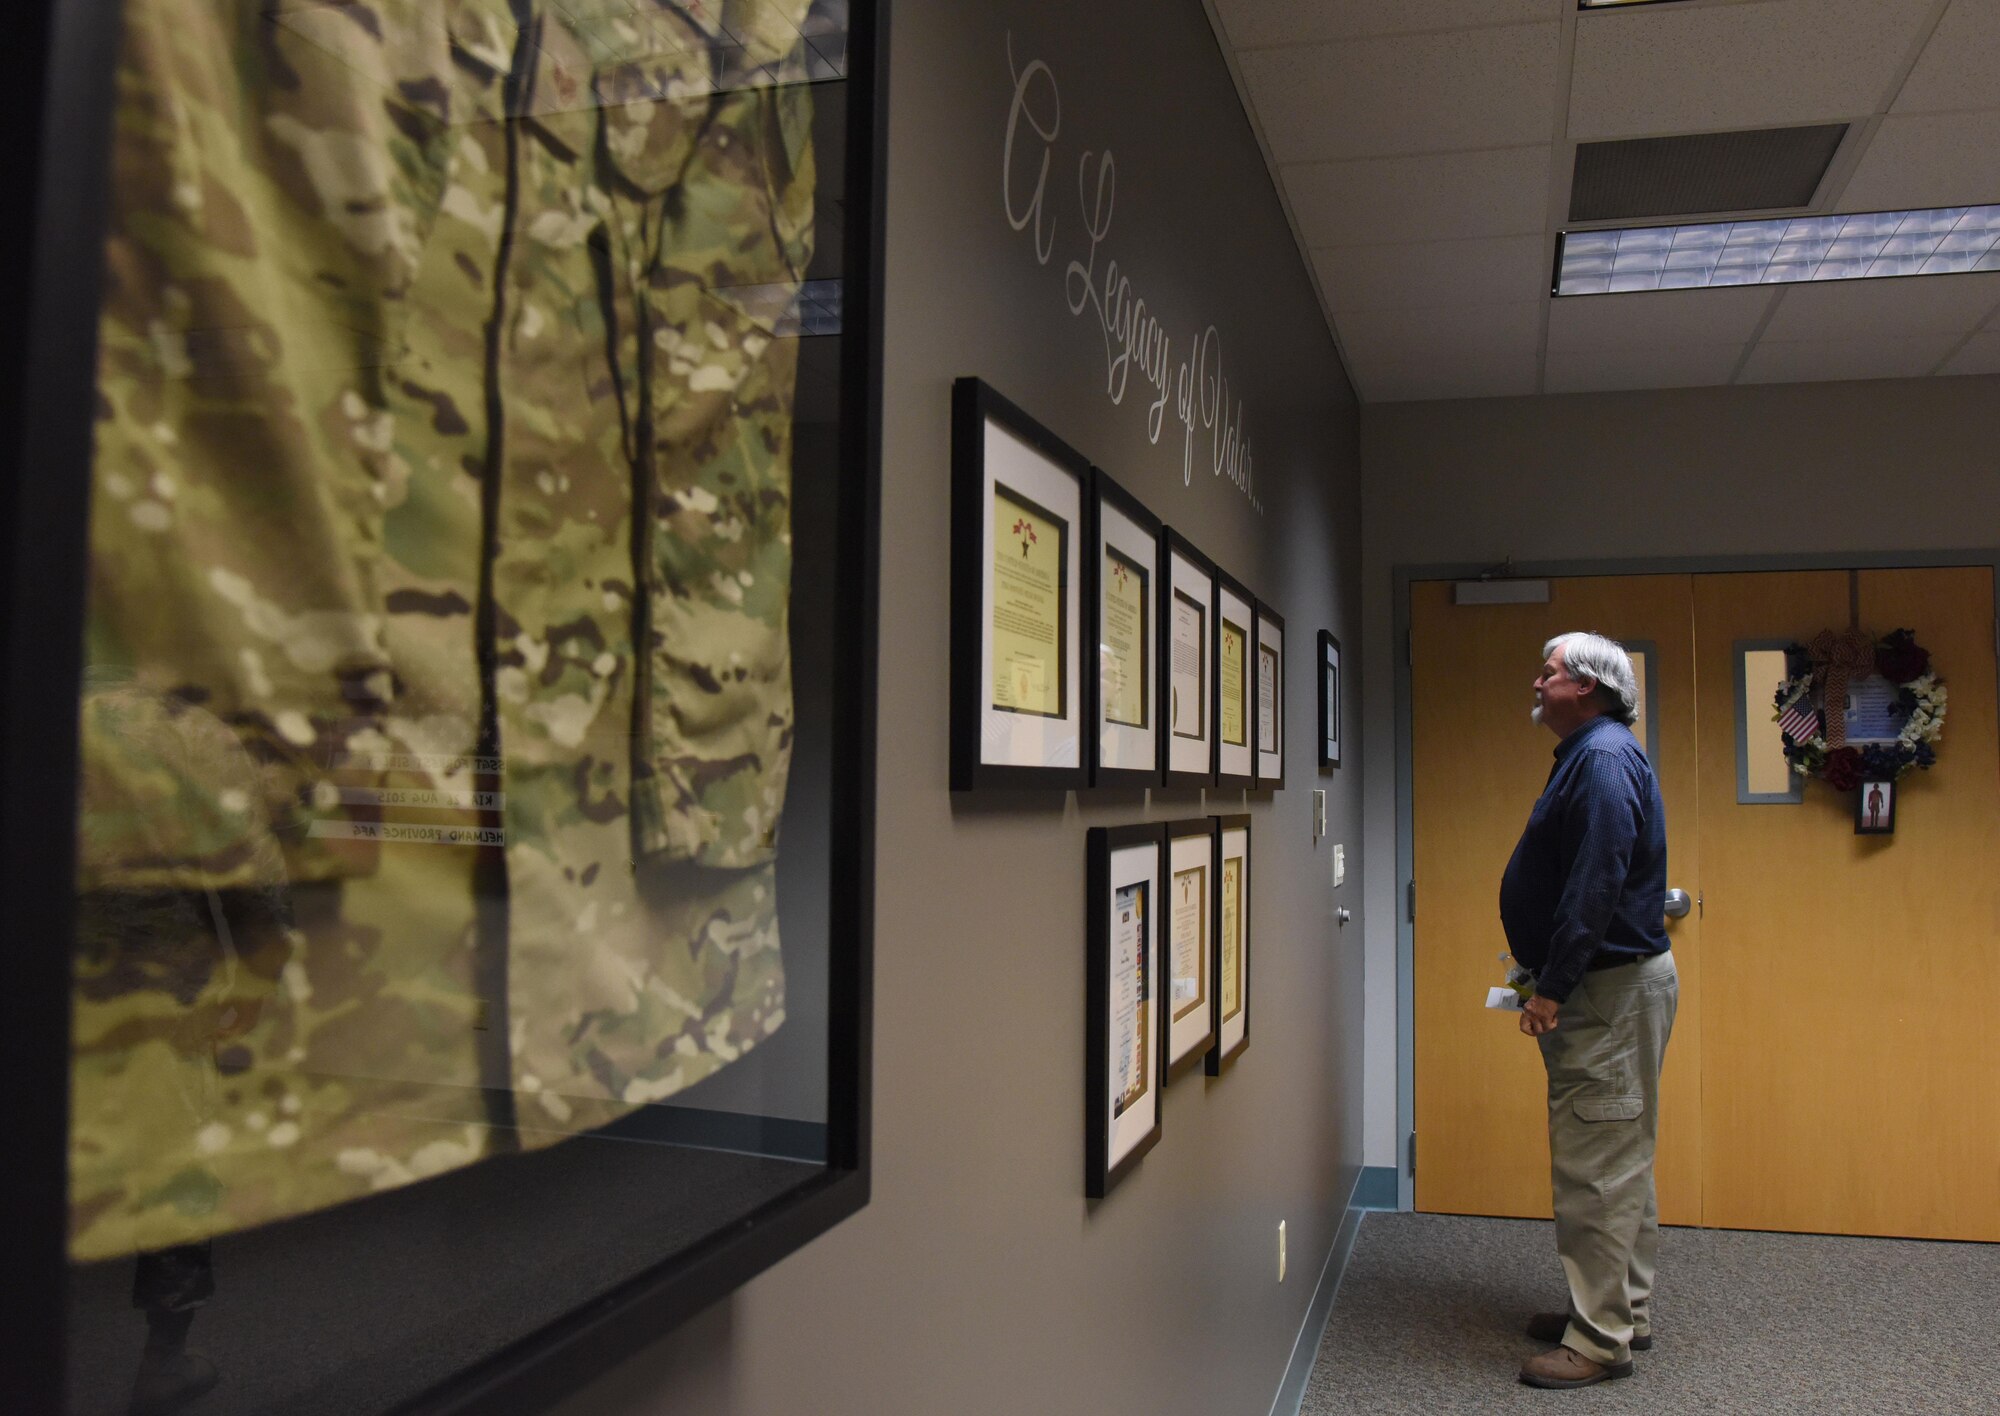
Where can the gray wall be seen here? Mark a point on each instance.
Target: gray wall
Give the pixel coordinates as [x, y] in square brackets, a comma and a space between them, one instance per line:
[1751, 471]
[979, 1280]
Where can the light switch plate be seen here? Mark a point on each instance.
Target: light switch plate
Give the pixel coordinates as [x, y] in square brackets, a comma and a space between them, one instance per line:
[1339, 865]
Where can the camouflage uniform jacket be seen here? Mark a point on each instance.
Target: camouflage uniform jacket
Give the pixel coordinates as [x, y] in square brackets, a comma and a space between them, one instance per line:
[443, 468]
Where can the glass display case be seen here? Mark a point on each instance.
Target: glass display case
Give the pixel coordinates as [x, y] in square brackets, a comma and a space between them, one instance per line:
[439, 733]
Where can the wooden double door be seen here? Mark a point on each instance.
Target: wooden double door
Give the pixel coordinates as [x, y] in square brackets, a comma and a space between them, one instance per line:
[1834, 1065]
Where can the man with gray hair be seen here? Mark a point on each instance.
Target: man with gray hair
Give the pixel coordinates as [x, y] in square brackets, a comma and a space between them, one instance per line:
[1582, 902]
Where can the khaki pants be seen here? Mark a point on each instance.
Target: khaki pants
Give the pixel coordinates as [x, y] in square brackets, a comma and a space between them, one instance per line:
[1603, 1061]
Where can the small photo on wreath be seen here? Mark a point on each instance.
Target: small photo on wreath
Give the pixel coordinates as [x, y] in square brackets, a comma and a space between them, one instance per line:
[1875, 809]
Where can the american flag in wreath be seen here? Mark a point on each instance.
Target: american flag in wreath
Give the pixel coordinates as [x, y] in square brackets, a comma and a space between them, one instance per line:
[1799, 720]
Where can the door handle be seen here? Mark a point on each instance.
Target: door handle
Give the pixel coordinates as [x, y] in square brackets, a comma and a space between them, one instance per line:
[1678, 904]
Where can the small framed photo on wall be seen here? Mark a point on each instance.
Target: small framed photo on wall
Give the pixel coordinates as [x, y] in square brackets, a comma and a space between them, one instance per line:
[1231, 974]
[1875, 809]
[1187, 667]
[1018, 500]
[1270, 672]
[1232, 645]
[1123, 1072]
[1329, 700]
[1188, 1020]
[1122, 579]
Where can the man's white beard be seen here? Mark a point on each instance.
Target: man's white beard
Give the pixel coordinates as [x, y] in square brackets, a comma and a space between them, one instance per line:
[1535, 714]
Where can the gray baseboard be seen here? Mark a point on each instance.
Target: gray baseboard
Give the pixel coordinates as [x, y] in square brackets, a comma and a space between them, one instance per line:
[1298, 1371]
[1376, 1189]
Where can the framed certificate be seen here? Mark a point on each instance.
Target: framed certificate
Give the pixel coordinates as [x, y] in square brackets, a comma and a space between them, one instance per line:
[1123, 1072]
[1187, 1021]
[1270, 672]
[1329, 700]
[1187, 663]
[1231, 972]
[1232, 645]
[1019, 495]
[1121, 576]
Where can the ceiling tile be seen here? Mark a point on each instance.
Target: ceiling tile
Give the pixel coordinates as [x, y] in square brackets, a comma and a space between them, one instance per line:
[1981, 355]
[1729, 315]
[1939, 159]
[1440, 197]
[1660, 366]
[1915, 304]
[1433, 272]
[1877, 357]
[1664, 69]
[1461, 89]
[1504, 374]
[1957, 67]
[1409, 337]
[1264, 23]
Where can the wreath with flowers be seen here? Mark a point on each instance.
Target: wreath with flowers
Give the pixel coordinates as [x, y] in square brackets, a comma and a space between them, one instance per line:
[1811, 707]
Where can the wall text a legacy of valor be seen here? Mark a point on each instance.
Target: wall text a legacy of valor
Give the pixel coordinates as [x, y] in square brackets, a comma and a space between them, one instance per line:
[1136, 342]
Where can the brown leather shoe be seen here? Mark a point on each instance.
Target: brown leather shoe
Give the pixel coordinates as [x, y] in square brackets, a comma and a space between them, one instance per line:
[1561, 1369]
[1550, 1327]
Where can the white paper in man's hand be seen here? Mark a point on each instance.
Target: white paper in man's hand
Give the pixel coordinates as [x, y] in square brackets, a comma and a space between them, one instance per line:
[1505, 999]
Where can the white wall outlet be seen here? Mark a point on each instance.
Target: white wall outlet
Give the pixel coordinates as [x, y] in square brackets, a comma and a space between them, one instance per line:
[1319, 812]
[1339, 865]
[1281, 1251]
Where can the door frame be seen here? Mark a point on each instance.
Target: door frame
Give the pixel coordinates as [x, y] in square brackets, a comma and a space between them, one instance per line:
[1405, 576]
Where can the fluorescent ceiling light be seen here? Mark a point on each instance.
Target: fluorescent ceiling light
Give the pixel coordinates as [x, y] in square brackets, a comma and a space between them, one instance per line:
[1941, 241]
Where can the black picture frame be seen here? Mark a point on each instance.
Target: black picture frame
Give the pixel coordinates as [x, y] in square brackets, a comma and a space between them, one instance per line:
[1112, 1150]
[1270, 758]
[1235, 767]
[1061, 743]
[1230, 1042]
[1196, 1030]
[1329, 700]
[61, 70]
[1103, 735]
[1875, 808]
[1173, 747]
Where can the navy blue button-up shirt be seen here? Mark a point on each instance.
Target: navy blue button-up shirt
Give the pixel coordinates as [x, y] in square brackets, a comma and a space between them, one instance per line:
[1589, 878]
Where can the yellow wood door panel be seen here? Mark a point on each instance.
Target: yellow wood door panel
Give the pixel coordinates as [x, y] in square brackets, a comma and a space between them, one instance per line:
[1849, 982]
[1478, 765]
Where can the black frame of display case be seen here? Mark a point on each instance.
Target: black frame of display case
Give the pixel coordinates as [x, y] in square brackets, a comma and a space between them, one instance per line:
[1104, 488]
[1267, 615]
[975, 403]
[1215, 1059]
[1329, 705]
[1173, 542]
[1102, 842]
[1187, 830]
[1233, 781]
[58, 88]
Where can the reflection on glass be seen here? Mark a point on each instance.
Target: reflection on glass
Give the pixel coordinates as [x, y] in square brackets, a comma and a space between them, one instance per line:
[439, 705]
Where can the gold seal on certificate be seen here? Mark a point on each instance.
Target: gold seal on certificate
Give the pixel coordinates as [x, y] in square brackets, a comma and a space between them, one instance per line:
[1232, 937]
[1131, 997]
[1190, 617]
[1235, 726]
[1190, 937]
[1029, 549]
[1122, 640]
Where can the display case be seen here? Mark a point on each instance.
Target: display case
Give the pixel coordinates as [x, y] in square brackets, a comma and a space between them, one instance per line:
[439, 734]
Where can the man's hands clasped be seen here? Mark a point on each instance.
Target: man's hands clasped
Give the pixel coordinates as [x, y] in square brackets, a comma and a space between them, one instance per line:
[1538, 1016]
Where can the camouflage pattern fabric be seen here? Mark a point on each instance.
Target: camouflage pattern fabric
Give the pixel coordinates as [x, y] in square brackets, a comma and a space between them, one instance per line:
[418, 311]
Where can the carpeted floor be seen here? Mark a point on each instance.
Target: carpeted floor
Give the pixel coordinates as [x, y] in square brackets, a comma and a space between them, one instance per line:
[1429, 1316]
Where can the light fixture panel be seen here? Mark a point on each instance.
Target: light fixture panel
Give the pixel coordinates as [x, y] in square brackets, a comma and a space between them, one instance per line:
[1779, 251]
